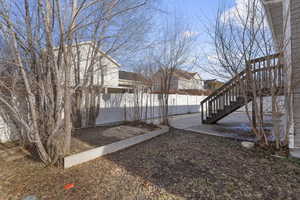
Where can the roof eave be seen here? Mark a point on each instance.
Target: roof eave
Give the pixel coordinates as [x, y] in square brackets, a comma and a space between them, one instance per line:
[267, 6]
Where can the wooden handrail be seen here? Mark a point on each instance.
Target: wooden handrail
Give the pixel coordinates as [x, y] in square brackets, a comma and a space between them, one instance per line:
[240, 74]
[277, 55]
[224, 86]
[215, 106]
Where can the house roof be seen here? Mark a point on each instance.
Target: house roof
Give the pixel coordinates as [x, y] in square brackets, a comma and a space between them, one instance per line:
[182, 74]
[274, 11]
[212, 80]
[179, 73]
[132, 76]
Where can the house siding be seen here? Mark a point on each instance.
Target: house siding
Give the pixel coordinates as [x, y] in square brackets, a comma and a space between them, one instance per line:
[295, 61]
[190, 84]
[8, 131]
[278, 14]
[291, 16]
[105, 75]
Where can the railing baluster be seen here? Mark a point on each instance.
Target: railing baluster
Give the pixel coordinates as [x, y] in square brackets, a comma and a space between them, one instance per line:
[259, 76]
[227, 97]
[230, 95]
[206, 110]
[219, 103]
[214, 107]
[264, 75]
[279, 73]
[270, 74]
[202, 112]
[266, 72]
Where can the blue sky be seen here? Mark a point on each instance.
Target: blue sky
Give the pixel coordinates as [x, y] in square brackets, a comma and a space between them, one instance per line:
[194, 11]
[192, 8]
[197, 14]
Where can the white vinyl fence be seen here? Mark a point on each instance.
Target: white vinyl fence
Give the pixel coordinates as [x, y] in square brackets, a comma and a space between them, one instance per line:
[121, 107]
[118, 107]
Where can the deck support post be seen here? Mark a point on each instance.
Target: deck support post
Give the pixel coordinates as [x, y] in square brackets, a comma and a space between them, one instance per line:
[261, 107]
[253, 114]
[258, 79]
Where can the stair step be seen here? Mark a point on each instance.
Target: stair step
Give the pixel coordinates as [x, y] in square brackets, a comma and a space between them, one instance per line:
[231, 88]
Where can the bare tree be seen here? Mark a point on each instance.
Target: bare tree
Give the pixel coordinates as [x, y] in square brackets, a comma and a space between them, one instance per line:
[42, 38]
[236, 36]
[240, 36]
[120, 31]
[171, 53]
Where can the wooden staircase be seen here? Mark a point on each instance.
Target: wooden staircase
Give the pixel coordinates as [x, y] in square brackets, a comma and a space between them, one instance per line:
[263, 75]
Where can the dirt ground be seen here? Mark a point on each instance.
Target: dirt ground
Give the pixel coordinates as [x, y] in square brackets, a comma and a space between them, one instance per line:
[89, 138]
[176, 165]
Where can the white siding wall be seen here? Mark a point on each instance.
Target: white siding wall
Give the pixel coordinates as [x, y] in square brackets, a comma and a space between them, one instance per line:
[7, 130]
[174, 85]
[105, 72]
[267, 105]
[182, 84]
[295, 64]
[190, 84]
[291, 17]
[288, 64]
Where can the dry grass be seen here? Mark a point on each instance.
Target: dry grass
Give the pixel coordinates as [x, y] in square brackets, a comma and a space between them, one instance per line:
[177, 165]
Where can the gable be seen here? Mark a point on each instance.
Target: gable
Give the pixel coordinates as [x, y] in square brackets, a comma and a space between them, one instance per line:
[85, 49]
[197, 77]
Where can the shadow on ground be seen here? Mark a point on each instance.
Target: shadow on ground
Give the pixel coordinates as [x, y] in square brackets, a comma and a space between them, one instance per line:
[191, 166]
[236, 126]
[177, 165]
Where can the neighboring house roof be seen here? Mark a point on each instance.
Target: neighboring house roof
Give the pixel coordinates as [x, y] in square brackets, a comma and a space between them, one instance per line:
[186, 92]
[209, 80]
[182, 74]
[132, 76]
[213, 81]
[212, 84]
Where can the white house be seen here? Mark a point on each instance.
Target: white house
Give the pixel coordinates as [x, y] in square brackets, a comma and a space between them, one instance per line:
[284, 20]
[132, 79]
[103, 72]
[181, 80]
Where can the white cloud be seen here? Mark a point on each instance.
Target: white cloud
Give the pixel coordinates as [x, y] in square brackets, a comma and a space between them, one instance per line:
[242, 12]
[190, 33]
[212, 58]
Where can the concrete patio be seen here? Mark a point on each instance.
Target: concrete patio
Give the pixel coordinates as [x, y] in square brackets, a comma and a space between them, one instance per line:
[235, 125]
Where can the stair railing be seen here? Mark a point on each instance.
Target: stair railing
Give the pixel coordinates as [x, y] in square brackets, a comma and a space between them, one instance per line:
[266, 71]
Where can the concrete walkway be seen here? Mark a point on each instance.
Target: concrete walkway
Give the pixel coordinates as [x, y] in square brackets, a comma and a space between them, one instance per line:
[235, 125]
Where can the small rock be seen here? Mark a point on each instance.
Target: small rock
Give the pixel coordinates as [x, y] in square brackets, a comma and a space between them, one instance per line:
[248, 145]
[31, 197]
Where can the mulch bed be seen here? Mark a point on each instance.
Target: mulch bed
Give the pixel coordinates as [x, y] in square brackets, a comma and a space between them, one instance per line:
[89, 138]
[176, 165]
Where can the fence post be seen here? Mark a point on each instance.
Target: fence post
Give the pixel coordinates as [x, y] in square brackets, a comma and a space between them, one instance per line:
[202, 112]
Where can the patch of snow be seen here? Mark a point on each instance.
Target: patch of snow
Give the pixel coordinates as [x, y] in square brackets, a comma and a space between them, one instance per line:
[248, 145]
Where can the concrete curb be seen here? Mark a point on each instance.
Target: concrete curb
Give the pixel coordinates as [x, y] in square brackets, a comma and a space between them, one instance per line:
[295, 153]
[88, 155]
[235, 137]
